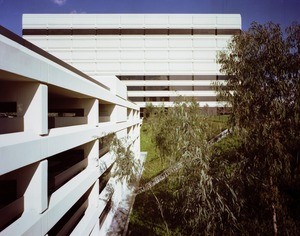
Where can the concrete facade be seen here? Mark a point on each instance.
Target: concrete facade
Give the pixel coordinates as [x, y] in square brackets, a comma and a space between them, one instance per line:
[158, 56]
[54, 168]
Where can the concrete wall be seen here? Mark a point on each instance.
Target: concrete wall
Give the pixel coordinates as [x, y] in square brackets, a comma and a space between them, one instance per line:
[132, 54]
[50, 173]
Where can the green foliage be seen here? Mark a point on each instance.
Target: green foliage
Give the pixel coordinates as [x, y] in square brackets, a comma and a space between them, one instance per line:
[248, 184]
[170, 128]
[181, 134]
[125, 166]
[146, 219]
[263, 90]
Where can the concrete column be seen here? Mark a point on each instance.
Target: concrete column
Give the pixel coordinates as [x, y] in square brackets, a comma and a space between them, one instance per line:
[91, 151]
[94, 195]
[36, 194]
[35, 98]
[129, 114]
[114, 113]
[119, 114]
[93, 113]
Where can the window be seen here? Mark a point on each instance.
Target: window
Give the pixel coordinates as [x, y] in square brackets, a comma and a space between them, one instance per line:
[205, 77]
[135, 88]
[203, 88]
[108, 31]
[156, 88]
[181, 88]
[132, 31]
[205, 31]
[157, 99]
[156, 31]
[181, 77]
[199, 99]
[180, 31]
[228, 31]
[136, 99]
[162, 77]
[125, 77]
[84, 31]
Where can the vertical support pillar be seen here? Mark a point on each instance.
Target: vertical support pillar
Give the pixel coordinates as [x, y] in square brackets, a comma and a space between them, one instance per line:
[114, 113]
[35, 98]
[94, 195]
[91, 150]
[93, 114]
[36, 194]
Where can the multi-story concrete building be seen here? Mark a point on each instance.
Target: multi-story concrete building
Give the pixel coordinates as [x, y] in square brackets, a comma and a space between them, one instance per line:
[54, 169]
[158, 56]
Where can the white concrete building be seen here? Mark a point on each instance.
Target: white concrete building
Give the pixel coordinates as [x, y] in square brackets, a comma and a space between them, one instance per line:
[54, 170]
[158, 56]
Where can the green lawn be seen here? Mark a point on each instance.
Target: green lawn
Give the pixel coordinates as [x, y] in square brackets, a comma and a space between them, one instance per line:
[153, 164]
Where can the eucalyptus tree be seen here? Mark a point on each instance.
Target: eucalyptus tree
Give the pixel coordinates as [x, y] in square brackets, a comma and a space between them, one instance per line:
[263, 92]
[203, 203]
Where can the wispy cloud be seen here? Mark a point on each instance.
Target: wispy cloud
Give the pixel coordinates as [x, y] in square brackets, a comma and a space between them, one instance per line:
[77, 12]
[59, 2]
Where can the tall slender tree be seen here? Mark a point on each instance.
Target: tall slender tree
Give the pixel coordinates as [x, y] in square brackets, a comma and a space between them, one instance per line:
[263, 88]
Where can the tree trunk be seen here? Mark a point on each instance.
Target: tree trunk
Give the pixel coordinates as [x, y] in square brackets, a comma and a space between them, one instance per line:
[274, 212]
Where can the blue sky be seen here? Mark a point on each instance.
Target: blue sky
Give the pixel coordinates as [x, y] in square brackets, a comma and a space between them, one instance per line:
[279, 11]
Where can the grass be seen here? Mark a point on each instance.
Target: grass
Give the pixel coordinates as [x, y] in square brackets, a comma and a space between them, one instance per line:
[153, 164]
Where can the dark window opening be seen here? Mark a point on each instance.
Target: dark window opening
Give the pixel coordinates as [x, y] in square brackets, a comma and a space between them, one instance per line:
[228, 31]
[180, 31]
[64, 166]
[66, 112]
[105, 212]
[104, 146]
[132, 31]
[156, 88]
[136, 99]
[84, 31]
[156, 31]
[181, 77]
[155, 77]
[197, 98]
[204, 31]
[203, 88]
[123, 77]
[108, 31]
[205, 77]
[157, 99]
[61, 117]
[59, 31]
[181, 88]
[11, 206]
[104, 178]
[135, 88]
[8, 109]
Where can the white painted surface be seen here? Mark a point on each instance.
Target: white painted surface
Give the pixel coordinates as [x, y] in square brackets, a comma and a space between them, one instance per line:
[35, 82]
[100, 55]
